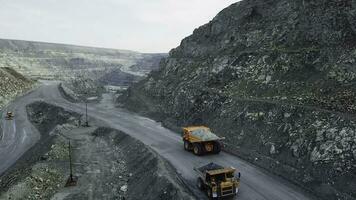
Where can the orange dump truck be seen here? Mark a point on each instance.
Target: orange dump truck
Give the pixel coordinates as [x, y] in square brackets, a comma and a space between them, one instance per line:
[9, 116]
[200, 140]
[218, 181]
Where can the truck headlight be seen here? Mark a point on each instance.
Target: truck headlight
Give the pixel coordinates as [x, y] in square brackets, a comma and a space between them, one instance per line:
[215, 189]
[215, 194]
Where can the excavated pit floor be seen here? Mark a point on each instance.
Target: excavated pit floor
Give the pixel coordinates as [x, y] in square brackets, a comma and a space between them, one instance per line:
[108, 163]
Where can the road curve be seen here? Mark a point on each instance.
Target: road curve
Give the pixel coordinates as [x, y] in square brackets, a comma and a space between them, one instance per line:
[256, 184]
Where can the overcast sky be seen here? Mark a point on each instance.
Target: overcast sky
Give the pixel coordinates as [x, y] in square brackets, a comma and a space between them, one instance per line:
[141, 25]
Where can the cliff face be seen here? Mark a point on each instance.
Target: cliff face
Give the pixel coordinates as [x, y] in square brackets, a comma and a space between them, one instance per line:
[277, 79]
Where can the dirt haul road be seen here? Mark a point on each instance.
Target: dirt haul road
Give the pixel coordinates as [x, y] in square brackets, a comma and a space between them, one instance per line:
[19, 135]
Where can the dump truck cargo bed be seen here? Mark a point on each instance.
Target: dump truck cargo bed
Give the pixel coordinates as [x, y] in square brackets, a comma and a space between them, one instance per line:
[200, 140]
[209, 167]
[201, 133]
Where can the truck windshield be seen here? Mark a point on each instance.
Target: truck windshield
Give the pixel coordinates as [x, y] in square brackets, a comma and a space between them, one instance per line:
[230, 175]
[219, 177]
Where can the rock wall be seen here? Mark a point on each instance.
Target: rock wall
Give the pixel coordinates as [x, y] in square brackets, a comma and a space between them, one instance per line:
[274, 77]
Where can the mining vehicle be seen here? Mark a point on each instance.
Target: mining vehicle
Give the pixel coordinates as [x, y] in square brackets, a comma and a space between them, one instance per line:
[200, 140]
[218, 181]
[9, 116]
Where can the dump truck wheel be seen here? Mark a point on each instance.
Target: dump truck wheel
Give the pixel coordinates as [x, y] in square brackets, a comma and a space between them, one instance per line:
[210, 194]
[197, 150]
[187, 145]
[200, 184]
[208, 147]
[217, 147]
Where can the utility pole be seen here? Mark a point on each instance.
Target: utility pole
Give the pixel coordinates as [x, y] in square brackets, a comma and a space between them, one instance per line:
[86, 105]
[185, 112]
[72, 180]
[86, 113]
[70, 161]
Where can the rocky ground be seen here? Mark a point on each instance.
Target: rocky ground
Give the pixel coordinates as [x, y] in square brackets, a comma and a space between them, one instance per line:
[276, 78]
[108, 163]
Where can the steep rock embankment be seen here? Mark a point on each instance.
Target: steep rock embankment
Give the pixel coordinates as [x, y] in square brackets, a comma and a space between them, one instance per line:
[151, 176]
[12, 84]
[277, 79]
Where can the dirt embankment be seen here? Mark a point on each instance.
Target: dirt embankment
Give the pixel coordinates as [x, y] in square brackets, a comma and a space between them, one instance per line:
[81, 88]
[150, 177]
[108, 163]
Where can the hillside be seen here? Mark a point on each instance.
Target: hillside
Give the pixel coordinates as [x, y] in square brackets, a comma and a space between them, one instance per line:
[60, 61]
[12, 84]
[277, 79]
[118, 77]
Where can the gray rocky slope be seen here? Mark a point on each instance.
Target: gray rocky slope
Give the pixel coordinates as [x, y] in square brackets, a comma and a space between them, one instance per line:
[12, 84]
[277, 79]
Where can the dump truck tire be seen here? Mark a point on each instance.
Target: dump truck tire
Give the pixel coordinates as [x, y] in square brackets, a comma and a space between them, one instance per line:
[217, 147]
[187, 145]
[200, 184]
[209, 192]
[197, 149]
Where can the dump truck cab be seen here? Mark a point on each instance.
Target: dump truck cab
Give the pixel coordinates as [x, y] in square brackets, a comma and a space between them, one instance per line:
[218, 181]
[200, 140]
[9, 116]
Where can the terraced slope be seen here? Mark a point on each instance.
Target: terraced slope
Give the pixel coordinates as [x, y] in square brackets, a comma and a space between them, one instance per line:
[60, 61]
